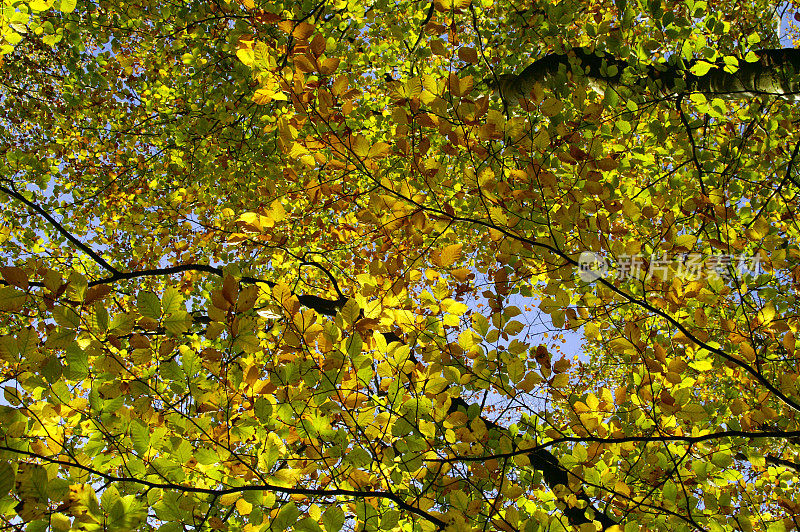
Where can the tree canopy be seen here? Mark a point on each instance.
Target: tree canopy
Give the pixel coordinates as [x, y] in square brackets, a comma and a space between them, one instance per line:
[321, 266]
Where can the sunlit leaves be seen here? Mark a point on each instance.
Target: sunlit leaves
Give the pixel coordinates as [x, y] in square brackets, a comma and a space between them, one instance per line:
[316, 254]
[149, 305]
[448, 255]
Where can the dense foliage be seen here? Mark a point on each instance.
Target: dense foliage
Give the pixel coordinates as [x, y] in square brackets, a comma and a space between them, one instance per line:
[312, 265]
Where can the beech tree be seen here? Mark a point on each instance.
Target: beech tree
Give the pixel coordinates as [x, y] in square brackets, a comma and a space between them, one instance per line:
[275, 265]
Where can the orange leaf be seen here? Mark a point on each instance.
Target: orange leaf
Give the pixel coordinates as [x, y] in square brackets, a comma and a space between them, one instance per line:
[303, 64]
[329, 66]
[303, 31]
[461, 86]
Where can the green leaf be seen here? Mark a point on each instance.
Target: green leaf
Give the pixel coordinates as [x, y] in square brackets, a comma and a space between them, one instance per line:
[168, 508]
[287, 516]
[551, 106]
[100, 316]
[390, 519]
[177, 323]
[7, 476]
[77, 363]
[11, 298]
[67, 317]
[333, 519]
[206, 456]
[480, 324]
[172, 300]
[263, 410]
[77, 286]
[27, 344]
[67, 6]
[350, 311]
[122, 323]
[140, 437]
[307, 525]
[149, 305]
[109, 498]
[701, 68]
[354, 345]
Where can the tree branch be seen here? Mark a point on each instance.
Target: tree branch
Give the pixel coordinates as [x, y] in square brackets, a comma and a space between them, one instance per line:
[224, 491]
[52, 221]
[772, 74]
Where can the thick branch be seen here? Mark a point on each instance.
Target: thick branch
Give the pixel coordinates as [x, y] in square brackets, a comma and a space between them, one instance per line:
[687, 440]
[773, 74]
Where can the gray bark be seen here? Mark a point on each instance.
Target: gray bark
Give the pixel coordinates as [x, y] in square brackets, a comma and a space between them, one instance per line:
[775, 73]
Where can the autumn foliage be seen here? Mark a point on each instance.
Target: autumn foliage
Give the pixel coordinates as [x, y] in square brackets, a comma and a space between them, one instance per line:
[318, 266]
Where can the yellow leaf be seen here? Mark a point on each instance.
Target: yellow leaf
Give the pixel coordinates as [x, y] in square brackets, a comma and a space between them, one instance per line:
[263, 96]
[246, 56]
[747, 352]
[701, 68]
[686, 241]
[303, 31]
[297, 151]
[789, 343]
[466, 339]
[448, 5]
[360, 146]
[410, 89]
[40, 5]
[243, 507]
[378, 150]
[461, 86]
[767, 313]
[277, 212]
[339, 86]
[592, 401]
[461, 274]
[229, 498]
[251, 222]
[303, 64]
[449, 254]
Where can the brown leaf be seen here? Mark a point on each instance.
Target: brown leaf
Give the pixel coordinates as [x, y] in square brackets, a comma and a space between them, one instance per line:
[15, 276]
[230, 289]
[303, 31]
[468, 55]
[96, 293]
[318, 45]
